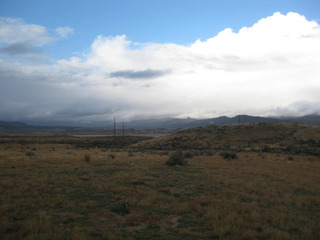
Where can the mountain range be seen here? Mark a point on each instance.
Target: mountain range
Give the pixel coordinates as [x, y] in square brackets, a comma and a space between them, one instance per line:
[174, 123]
[164, 123]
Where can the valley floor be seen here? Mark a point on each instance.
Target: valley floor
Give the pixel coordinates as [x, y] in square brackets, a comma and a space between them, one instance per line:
[63, 191]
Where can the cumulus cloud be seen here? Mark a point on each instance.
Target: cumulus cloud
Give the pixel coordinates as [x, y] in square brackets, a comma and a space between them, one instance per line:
[270, 68]
[18, 37]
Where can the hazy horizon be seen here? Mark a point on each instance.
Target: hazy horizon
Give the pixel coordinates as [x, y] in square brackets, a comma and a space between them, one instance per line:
[177, 122]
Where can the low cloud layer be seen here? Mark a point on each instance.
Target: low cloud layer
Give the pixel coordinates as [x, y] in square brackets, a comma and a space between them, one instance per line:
[19, 48]
[270, 68]
[144, 74]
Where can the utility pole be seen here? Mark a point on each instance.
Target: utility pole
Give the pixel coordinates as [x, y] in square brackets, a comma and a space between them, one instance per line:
[123, 131]
[114, 128]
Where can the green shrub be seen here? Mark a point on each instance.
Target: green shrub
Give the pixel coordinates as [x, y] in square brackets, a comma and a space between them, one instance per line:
[188, 154]
[196, 153]
[209, 152]
[122, 208]
[290, 158]
[164, 153]
[130, 154]
[177, 158]
[87, 158]
[30, 154]
[229, 155]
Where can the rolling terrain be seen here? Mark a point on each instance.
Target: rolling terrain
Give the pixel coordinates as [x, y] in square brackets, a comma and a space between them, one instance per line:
[262, 137]
[164, 125]
[92, 188]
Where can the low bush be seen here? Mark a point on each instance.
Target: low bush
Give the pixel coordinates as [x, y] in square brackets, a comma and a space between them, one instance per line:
[290, 158]
[229, 155]
[87, 158]
[122, 208]
[266, 149]
[209, 153]
[188, 154]
[30, 154]
[130, 154]
[177, 158]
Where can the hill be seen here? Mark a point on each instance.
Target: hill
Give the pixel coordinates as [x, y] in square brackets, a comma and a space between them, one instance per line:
[163, 125]
[267, 137]
[24, 128]
[12, 125]
[184, 123]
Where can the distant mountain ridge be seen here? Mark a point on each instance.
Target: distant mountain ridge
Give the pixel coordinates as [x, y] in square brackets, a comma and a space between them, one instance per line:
[173, 123]
[164, 123]
[21, 127]
[4, 124]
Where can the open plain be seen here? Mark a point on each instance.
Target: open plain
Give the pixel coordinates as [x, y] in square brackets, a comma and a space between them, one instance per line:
[64, 187]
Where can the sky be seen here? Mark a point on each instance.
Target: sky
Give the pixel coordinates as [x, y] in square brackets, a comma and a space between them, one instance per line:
[86, 61]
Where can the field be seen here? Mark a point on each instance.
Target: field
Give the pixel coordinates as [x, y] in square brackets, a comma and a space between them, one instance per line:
[80, 188]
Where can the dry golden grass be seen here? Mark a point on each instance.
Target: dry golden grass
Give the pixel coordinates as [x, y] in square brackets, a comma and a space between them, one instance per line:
[56, 194]
[266, 137]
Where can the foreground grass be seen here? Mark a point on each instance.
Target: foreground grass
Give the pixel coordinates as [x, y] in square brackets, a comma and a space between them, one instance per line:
[58, 192]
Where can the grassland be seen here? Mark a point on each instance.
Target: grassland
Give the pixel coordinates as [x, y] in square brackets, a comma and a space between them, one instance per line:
[67, 189]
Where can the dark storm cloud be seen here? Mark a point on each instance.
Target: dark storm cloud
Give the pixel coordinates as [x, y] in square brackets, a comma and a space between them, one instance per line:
[145, 74]
[19, 48]
[87, 107]
[42, 97]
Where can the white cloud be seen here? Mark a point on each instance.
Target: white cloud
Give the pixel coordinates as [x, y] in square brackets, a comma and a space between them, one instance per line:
[20, 38]
[13, 30]
[270, 68]
[64, 31]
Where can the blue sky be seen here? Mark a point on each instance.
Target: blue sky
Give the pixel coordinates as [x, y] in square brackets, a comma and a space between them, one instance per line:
[84, 61]
[165, 21]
